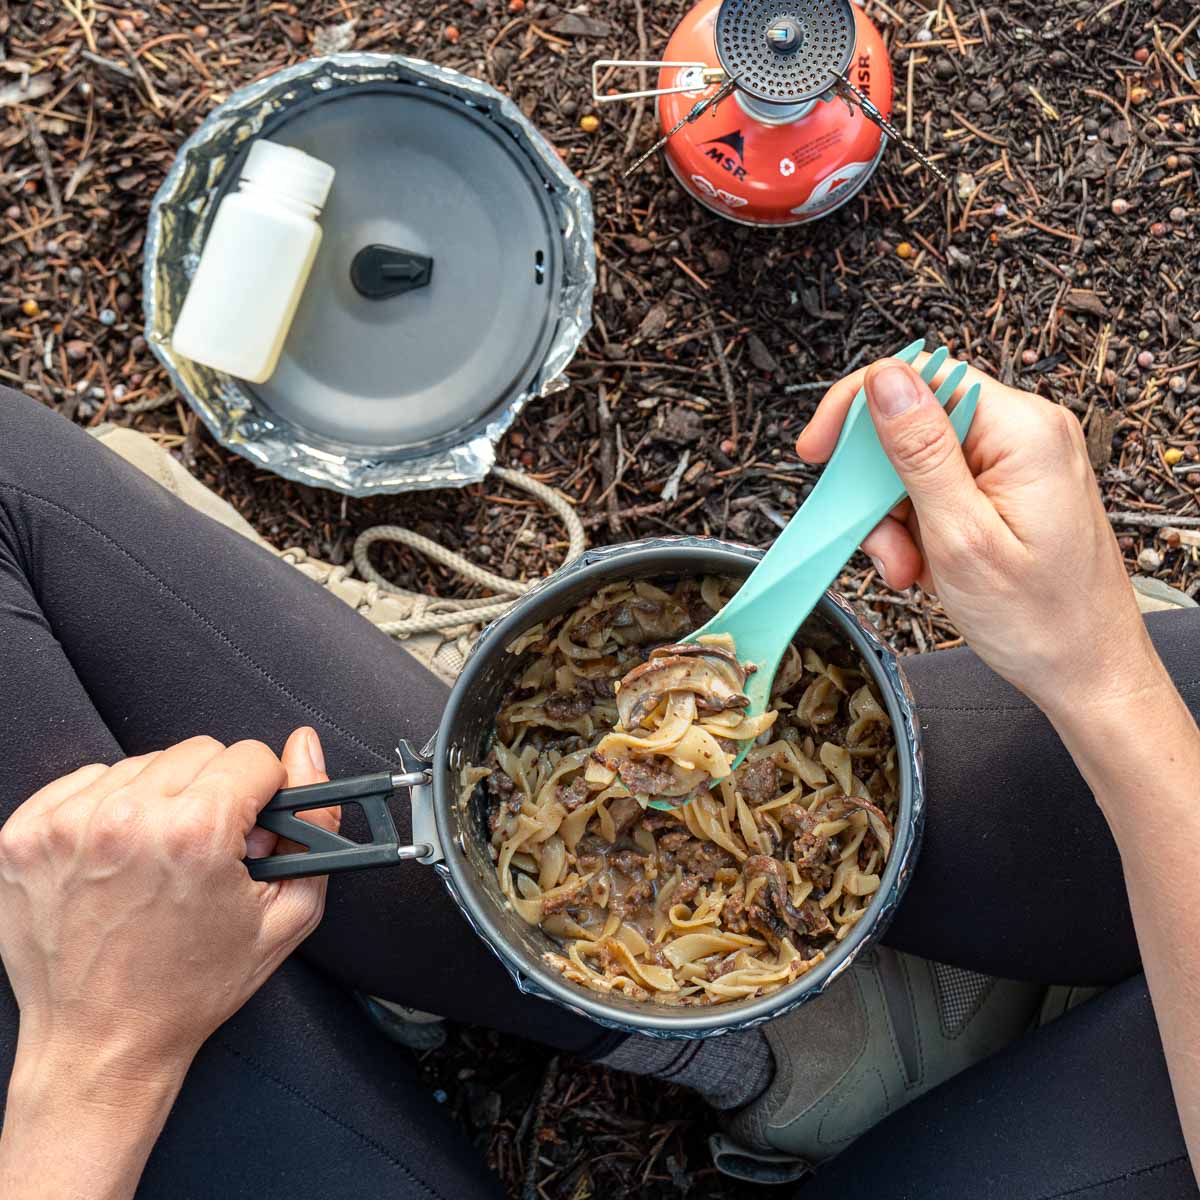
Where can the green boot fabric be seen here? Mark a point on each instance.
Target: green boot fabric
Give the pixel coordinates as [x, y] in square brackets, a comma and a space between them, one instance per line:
[892, 1027]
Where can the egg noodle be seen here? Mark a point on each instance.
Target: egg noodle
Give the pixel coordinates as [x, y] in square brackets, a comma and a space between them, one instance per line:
[744, 884]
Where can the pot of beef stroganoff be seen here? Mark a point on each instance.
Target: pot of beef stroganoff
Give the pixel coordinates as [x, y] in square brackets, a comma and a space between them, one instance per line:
[716, 915]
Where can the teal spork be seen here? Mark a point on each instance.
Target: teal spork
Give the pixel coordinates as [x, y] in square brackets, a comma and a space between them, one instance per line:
[857, 489]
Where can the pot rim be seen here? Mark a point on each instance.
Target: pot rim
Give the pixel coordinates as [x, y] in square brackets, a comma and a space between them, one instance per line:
[686, 1022]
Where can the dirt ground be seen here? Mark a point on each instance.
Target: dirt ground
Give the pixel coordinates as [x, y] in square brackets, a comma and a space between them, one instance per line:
[1062, 258]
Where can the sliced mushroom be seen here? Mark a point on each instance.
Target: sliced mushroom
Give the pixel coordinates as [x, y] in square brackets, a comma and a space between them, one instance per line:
[722, 657]
[772, 912]
[657, 613]
[716, 685]
[833, 807]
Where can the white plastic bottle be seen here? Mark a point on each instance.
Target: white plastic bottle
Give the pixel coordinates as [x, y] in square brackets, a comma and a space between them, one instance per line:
[255, 263]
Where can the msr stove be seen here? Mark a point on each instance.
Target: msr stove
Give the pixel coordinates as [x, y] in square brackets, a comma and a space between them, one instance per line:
[773, 112]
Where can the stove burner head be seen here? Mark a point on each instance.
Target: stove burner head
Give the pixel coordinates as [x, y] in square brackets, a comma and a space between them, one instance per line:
[782, 51]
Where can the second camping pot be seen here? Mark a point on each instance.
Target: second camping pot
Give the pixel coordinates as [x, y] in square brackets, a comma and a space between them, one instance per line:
[453, 839]
[452, 284]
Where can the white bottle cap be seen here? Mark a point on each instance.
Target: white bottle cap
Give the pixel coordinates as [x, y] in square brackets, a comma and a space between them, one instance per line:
[288, 171]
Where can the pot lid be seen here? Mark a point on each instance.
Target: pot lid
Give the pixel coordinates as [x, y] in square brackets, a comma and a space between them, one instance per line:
[785, 51]
[453, 279]
[433, 295]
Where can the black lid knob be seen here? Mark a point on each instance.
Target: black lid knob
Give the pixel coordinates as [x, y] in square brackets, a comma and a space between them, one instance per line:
[379, 272]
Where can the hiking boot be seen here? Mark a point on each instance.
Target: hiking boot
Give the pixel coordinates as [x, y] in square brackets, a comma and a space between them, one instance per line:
[1155, 596]
[419, 1031]
[1060, 1000]
[442, 651]
[889, 1029]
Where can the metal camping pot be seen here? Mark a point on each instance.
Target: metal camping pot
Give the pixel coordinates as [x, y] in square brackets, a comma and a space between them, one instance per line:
[452, 284]
[454, 840]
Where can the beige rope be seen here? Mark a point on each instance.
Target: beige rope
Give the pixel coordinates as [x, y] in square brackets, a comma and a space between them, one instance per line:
[432, 550]
[431, 615]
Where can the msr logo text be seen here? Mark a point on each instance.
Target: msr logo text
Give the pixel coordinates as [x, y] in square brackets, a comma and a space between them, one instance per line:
[728, 152]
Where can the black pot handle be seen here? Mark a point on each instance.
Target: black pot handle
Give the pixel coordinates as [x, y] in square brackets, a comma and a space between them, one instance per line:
[331, 853]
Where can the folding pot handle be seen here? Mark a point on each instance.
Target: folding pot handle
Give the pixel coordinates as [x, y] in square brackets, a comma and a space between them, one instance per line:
[330, 853]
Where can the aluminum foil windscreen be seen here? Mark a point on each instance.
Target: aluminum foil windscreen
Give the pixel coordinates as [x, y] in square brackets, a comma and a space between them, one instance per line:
[179, 221]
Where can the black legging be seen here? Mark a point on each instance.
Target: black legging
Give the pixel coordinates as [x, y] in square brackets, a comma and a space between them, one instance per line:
[129, 622]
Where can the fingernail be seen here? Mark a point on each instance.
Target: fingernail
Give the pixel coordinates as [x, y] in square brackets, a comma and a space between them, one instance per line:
[315, 753]
[878, 567]
[894, 391]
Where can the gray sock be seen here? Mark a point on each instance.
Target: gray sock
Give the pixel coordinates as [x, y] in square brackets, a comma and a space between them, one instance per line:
[728, 1071]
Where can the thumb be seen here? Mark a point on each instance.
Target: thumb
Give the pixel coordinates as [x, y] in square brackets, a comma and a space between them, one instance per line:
[919, 440]
[296, 905]
[304, 761]
[303, 758]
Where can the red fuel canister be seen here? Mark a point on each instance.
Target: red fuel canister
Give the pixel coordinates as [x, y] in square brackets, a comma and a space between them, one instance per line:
[772, 112]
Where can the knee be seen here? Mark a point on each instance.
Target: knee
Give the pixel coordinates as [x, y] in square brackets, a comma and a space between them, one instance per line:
[33, 438]
[19, 411]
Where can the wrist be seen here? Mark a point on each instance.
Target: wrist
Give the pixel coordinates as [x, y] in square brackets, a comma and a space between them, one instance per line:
[98, 1079]
[1098, 686]
[81, 1120]
[1130, 745]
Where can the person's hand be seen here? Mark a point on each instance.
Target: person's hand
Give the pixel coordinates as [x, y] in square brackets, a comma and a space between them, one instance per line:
[1009, 531]
[129, 927]
[130, 930]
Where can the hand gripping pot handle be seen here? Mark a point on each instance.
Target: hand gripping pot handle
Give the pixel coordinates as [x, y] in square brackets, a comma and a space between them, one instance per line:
[332, 853]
